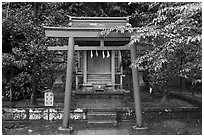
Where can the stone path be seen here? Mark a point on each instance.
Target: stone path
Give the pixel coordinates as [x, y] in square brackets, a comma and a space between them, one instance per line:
[104, 132]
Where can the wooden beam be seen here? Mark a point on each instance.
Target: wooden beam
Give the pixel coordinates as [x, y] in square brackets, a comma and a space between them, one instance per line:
[102, 48]
[91, 48]
[140, 47]
[126, 47]
[102, 43]
[64, 32]
[99, 39]
[58, 48]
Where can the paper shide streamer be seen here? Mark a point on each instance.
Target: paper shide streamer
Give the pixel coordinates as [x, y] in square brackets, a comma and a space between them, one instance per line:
[97, 53]
[108, 54]
[91, 54]
[103, 54]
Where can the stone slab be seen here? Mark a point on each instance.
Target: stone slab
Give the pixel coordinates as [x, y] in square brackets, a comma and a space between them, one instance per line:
[104, 132]
[39, 114]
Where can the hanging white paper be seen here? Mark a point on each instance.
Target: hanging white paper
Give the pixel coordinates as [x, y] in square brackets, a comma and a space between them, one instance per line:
[108, 54]
[97, 53]
[91, 54]
[103, 54]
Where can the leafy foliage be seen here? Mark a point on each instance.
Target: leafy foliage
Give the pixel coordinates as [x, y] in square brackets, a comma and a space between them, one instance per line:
[174, 31]
[21, 85]
[175, 34]
[26, 39]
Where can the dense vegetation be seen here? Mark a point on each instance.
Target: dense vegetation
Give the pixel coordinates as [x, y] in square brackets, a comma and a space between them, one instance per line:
[173, 29]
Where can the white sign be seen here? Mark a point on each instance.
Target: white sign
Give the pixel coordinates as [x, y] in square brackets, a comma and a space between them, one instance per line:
[49, 99]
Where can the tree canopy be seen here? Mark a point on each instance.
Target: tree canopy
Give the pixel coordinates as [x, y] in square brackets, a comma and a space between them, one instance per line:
[175, 34]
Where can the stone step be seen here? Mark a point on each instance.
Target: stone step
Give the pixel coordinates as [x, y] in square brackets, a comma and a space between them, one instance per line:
[101, 115]
[99, 75]
[99, 78]
[98, 95]
[102, 81]
[112, 122]
[105, 118]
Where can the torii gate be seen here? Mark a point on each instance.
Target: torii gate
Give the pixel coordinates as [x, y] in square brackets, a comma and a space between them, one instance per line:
[90, 28]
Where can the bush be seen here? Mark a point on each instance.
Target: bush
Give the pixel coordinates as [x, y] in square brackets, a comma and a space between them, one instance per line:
[20, 86]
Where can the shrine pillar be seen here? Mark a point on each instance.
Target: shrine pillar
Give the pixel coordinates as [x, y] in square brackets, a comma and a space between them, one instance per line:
[68, 84]
[85, 67]
[136, 88]
[113, 69]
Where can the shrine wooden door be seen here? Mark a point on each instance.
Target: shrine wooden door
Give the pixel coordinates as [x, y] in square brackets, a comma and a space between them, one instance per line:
[99, 62]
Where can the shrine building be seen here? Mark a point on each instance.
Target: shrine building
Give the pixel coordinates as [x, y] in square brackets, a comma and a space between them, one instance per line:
[98, 69]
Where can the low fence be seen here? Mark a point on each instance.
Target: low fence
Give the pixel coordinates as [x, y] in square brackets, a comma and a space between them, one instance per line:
[50, 113]
[39, 113]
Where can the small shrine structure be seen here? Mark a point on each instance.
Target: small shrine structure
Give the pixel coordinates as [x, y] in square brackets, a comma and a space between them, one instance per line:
[99, 68]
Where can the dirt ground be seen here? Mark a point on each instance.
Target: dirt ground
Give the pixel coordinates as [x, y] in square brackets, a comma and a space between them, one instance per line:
[190, 124]
[178, 123]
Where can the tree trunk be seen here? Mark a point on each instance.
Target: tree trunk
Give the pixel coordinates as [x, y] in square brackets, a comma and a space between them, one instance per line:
[165, 97]
[165, 92]
[34, 87]
[11, 88]
[165, 86]
[11, 95]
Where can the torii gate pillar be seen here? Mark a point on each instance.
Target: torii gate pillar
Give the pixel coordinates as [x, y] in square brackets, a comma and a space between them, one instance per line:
[68, 84]
[136, 88]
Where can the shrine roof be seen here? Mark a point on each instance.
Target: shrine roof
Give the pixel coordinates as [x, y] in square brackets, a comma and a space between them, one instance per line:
[98, 22]
[98, 18]
[89, 27]
[81, 32]
[73, 28]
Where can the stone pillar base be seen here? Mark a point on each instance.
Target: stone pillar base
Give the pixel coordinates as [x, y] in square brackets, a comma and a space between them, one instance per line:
[66, 130]
[140, 128]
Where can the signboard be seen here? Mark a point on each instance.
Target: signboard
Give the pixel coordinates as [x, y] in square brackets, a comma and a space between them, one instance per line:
[49, 98]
